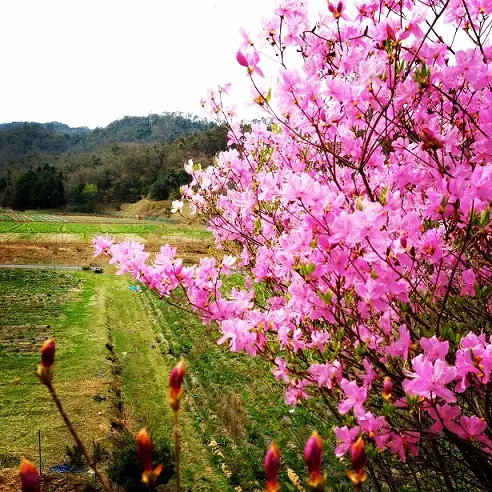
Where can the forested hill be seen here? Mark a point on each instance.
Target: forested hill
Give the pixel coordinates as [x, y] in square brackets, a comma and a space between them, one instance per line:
[130, 158]
[154, 128]
[19, 139]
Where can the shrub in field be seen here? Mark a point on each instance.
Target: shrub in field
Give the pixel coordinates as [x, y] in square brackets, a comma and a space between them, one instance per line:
[125, 468]
[359, 217]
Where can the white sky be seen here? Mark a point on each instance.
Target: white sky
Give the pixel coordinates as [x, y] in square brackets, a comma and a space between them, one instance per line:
[89, 62]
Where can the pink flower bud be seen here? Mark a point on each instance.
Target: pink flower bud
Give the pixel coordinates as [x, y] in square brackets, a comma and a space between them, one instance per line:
[272, 465]
[387, 388]
[29, 477]
[175, 384]
[241, 59]
[312, 457]
[391, 33]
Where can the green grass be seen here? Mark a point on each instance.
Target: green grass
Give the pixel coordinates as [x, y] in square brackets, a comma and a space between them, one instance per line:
[94, 228]
[144, 379]
[33, 306]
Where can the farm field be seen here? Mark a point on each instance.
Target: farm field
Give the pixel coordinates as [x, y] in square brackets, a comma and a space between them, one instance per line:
[66, 240]
[232, 408]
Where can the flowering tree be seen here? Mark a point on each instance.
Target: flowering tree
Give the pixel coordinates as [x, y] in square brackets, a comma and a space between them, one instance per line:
[359, 218]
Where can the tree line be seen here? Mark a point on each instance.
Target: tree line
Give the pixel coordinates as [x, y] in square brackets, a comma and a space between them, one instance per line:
[112, 172]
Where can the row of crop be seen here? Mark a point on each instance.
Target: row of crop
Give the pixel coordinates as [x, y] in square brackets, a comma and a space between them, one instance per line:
[96, 228]
[76, 228]
[28, 217]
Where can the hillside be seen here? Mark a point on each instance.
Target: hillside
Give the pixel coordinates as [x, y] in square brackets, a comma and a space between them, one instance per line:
[131, 158]
[19, 139]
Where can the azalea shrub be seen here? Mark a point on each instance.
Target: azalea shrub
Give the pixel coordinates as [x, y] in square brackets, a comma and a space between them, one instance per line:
[358, 215]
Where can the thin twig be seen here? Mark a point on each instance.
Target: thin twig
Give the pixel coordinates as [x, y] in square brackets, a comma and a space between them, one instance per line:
[177, 449]
[78, 442]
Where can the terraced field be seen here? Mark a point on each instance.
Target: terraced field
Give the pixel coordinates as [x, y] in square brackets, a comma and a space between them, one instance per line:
[51, 239]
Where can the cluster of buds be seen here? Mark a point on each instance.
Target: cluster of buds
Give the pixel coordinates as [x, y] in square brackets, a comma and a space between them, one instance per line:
[429, 140]
[176, 385]
[312, 457]
[358, 459]
[29, 477]
[145, 452]
[45, 369]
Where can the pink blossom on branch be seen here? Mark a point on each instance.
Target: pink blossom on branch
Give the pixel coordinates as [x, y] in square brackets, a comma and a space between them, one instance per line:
[358, 219]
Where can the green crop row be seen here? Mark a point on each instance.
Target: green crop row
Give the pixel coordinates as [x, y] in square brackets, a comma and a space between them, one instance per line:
[90, 229]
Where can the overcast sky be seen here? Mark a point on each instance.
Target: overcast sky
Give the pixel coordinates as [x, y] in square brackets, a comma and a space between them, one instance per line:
[89, 62]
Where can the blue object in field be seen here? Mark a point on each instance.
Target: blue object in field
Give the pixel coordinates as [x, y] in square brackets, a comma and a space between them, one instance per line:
[135, 288]
[65, 468]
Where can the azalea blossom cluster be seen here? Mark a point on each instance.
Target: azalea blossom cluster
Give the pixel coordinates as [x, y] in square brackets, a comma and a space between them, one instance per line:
[358, 216]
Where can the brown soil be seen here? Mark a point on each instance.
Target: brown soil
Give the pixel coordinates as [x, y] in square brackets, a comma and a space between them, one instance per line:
[62, 482]
[23, 338]
[80, 254]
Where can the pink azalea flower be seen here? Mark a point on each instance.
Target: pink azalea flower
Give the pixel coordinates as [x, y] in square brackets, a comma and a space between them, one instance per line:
[444, 416]
[430, 379]
[355, 397]
[281, 373]
[346, 438]
[469, 278]
[101, 245]
[434, 349]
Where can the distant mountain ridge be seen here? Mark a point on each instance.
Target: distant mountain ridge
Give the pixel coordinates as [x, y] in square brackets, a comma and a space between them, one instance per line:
[52, 125]
[18, 139]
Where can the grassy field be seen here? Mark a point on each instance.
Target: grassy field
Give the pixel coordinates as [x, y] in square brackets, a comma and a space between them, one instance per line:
[33, 306]
[67, 241]
[232, 406]
[90, 229]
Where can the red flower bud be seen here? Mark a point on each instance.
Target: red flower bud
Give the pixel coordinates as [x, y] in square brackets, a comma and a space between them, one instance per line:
[337, 12]
[429, 140]
[391, 33]
[29, 477]
[241, 59]
[175, 384]
[272, 464]
[48, 353]
[403, 241]
[358, 459]
[312, 457]
[358, 454]
[45, 369]
[145, 452]
[387, 388]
